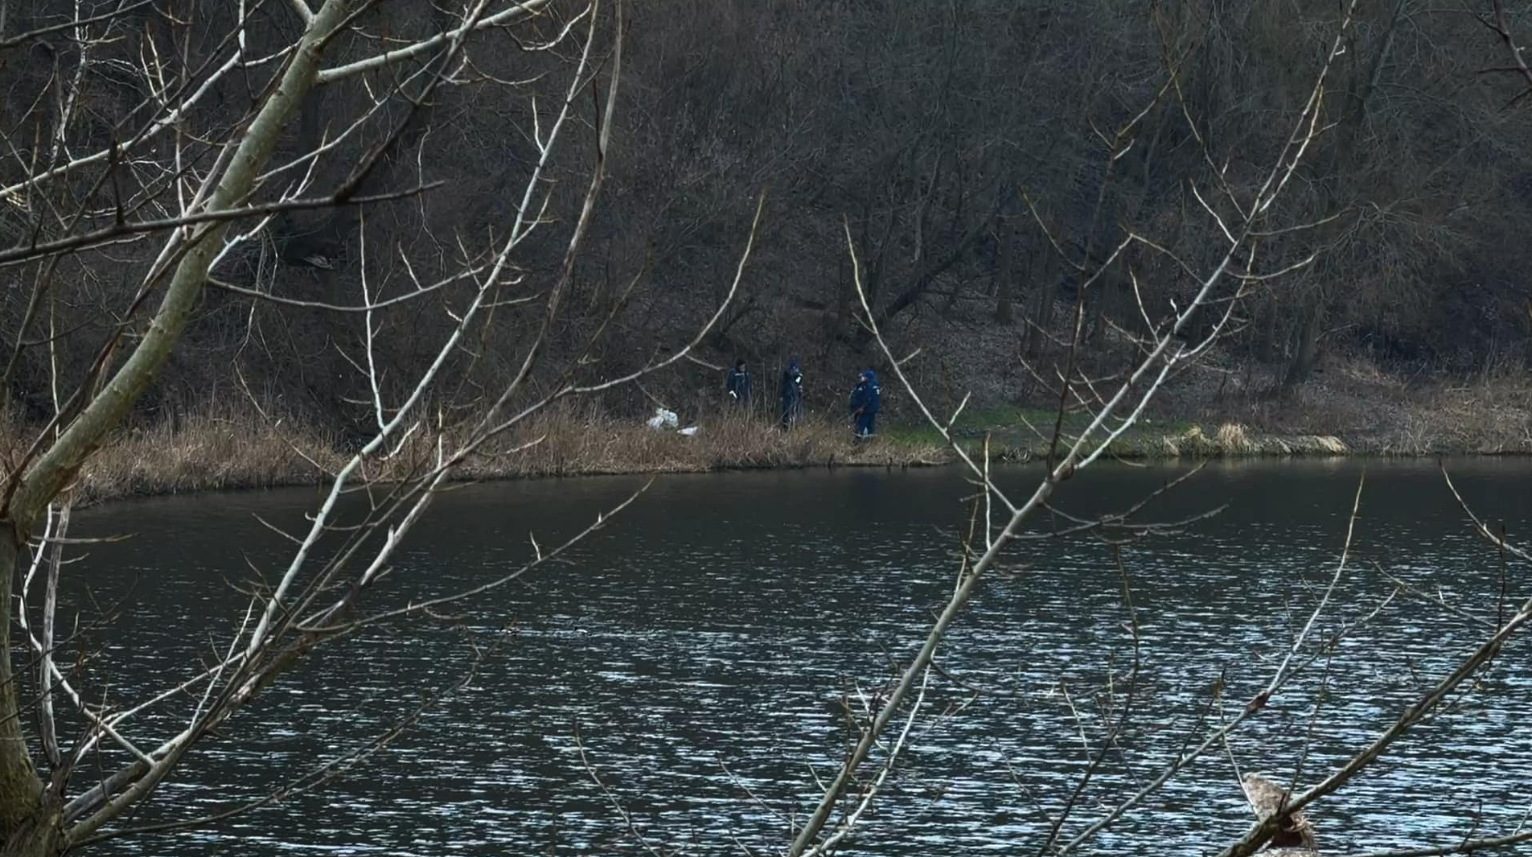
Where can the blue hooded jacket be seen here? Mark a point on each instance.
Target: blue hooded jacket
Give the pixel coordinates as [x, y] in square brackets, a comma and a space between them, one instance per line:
[738, 385]
[792, 394]
[792, 384]
[865, 398]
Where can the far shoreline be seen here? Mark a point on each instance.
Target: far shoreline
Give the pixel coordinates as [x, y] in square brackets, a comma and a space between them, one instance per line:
[208, 455]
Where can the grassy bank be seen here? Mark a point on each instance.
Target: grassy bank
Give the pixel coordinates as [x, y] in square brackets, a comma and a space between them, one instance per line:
[1348, 414]
[1021, 434]
[1352, 408]
[236, 451]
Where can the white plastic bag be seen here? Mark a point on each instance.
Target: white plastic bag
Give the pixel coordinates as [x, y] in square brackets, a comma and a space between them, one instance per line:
[664, 419]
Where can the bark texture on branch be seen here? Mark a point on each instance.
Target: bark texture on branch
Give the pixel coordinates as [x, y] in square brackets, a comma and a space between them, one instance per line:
[30, 817]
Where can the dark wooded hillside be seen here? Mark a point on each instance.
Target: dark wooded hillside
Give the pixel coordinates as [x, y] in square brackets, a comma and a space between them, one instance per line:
[967, 144]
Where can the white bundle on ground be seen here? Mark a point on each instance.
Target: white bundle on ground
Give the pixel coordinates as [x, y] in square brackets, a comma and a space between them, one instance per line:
[664, 419]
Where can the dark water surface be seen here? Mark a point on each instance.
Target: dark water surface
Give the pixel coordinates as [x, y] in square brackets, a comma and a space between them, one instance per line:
[716, 622]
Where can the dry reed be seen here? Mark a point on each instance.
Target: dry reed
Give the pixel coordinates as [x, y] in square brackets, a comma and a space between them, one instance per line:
[234, 450]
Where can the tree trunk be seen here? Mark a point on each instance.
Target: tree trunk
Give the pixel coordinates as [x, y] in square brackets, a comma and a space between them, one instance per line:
[30, 817]
[1005, 273]
[836, 321]
[1042, 319]
[1042, 309]
[1306, 348]
[873, 278]
[925, 278]
[1266, 332]
[1341, 164]
[20, 790]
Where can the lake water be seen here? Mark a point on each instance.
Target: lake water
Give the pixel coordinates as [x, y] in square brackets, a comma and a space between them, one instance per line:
[702, 640]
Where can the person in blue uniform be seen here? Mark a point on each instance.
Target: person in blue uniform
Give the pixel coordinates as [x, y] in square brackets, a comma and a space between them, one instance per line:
[792, 394]
[864, 405]
[738, 385]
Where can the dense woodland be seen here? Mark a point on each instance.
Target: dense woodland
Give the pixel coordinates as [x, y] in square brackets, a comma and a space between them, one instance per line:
[971, 147]
[404, 240]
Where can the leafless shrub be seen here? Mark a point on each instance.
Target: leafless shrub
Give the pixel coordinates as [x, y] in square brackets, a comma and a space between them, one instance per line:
[1114, 404]
[176, 199]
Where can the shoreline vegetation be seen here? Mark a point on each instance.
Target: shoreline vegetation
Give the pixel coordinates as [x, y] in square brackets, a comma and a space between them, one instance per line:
[237, 449]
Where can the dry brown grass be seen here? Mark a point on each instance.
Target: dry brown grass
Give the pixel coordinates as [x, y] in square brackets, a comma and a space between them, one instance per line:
[1353, 413]
[205, 452]
[1234, 440]
[574, 441]
[1356, 407]
[1490, 413]
[1489, 416]
[242, 450]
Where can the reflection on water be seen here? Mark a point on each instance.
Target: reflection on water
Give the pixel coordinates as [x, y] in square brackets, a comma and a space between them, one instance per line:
[700, 643]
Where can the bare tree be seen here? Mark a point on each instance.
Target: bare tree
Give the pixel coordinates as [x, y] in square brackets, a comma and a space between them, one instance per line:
[1499, 21]
[190, 196]
[1111, 414]
[1241, 226]
[171, 162]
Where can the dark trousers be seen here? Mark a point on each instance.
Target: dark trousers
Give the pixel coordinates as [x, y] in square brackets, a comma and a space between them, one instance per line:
[865, 424]
[792, 409]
